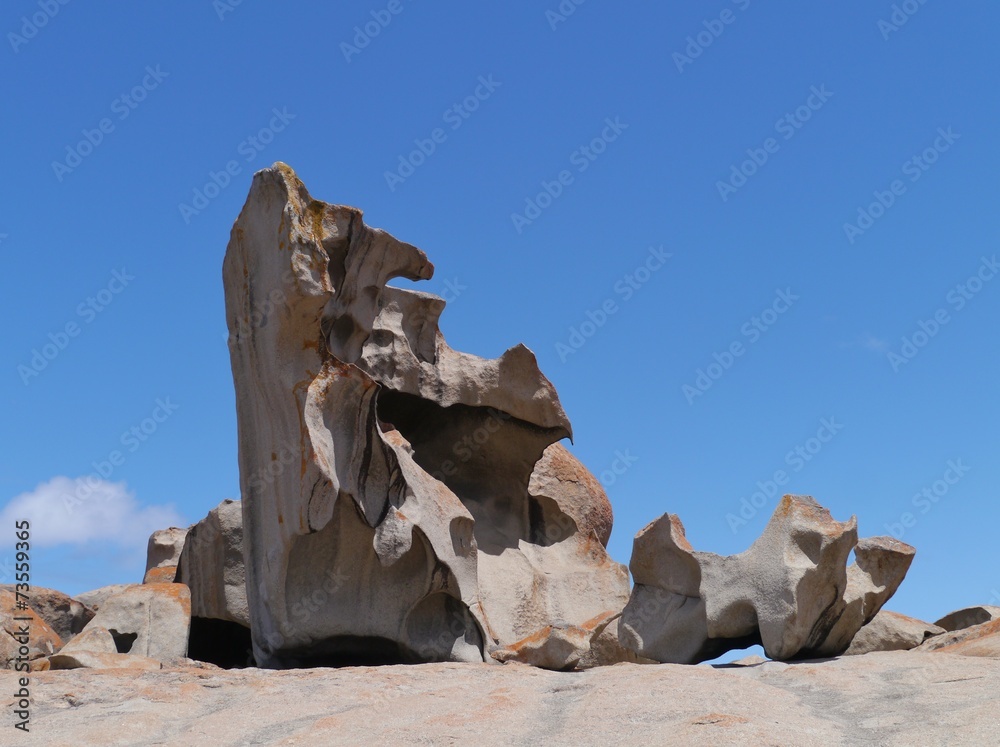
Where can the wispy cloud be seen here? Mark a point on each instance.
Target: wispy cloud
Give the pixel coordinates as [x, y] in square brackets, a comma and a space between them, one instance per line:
[108, 513]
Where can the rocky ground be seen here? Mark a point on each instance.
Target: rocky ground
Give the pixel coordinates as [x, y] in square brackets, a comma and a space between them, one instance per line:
[891, 698]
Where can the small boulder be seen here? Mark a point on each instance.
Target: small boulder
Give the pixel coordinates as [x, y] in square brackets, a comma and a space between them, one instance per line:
[968, 617]
[979, 640]
[151, 620]
[164, 548]
[890, 631]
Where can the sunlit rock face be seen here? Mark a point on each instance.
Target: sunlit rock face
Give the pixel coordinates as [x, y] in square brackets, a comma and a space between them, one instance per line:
[402, 501]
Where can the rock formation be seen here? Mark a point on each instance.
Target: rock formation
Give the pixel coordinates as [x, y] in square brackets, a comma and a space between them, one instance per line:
[890, 631]
[65, 615]
[40, 641]
[147, 620]
[211, 565]
[395, 505]
[969, 616]
[791, 591]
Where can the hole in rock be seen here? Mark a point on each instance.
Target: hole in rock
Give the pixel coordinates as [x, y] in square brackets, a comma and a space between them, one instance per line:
[727, 659]
[486, 457]
[123, 641]
[221, 642]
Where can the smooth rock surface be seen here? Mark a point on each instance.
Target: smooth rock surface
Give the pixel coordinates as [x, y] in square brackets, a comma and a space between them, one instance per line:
[389, 512]
[968, 617]
[791, 591]
[890, 631]
[152, 620]
[896, 699]
[211, 565]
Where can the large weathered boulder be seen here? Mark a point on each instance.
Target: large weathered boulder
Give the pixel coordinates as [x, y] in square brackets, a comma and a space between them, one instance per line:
[151, 620]
[968, 617]
[790, 592]
[24, 635]
[390, 509]
[890, 631]
[211, 565]
[65, 615]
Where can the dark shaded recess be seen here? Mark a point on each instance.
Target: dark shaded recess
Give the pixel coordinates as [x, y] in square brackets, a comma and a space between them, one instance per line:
[348, 651]
[221, 642]
[486, 457]
[123, 641]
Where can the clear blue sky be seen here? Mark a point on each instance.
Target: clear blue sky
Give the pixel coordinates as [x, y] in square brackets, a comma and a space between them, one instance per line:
[762, 265]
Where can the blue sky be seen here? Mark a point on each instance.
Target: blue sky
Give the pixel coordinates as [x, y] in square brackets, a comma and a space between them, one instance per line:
[823, 179]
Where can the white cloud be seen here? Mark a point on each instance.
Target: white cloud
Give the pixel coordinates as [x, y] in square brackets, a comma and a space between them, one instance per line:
[64, 511]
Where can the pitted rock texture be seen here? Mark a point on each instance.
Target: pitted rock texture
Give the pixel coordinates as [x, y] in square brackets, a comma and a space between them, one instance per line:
[394, 503]
[791, 591]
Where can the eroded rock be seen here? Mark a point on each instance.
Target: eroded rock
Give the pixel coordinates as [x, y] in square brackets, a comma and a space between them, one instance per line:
[395, 505]
[978, 640]
[890, 631]
[65, 615]
[790, 592]
[150, 620]
[968, 617]
[39, 641]
[211, 565]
